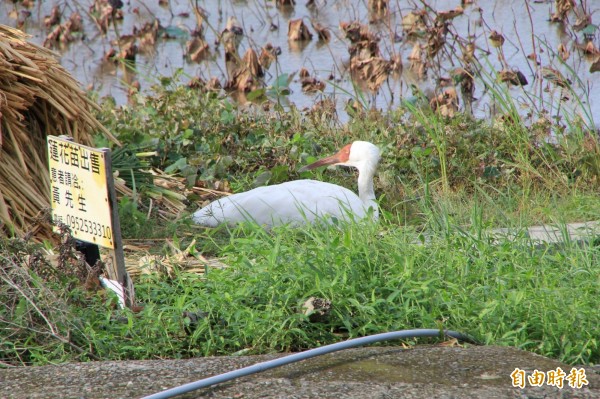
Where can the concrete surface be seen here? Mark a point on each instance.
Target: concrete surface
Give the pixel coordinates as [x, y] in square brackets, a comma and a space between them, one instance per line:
[554, 233]
[376, 372]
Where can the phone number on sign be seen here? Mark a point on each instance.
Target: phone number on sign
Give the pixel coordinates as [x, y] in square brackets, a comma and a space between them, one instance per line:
[90, 227]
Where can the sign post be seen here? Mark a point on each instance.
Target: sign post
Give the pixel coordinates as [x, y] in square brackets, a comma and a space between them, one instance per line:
[83, 197]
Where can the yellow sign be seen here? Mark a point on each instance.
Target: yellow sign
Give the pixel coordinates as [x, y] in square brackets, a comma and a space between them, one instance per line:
[79, 193]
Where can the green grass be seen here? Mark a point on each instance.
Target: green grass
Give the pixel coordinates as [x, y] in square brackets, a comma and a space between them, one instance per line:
[520, 172]
[379, 278]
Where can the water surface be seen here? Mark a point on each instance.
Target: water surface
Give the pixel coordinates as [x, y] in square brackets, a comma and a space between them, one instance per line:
[263, 22]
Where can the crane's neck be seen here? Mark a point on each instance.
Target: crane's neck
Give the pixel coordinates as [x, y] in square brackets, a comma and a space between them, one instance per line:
[366, 193]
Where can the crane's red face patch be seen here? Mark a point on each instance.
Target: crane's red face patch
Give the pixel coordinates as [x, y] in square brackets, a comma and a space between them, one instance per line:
[344, 153]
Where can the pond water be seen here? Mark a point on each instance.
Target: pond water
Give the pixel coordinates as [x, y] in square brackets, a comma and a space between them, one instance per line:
[526, 30]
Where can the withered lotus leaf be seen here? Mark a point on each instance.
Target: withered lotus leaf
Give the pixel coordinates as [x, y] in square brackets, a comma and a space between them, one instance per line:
[298, 31]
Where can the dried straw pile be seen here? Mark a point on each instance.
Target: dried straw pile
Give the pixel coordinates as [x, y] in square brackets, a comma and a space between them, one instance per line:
[38, 97]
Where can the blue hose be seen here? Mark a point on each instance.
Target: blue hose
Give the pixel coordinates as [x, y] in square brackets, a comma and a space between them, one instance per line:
[296, 357]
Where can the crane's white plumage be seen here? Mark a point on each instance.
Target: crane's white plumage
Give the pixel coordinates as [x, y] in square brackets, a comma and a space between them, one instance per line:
[302, 201]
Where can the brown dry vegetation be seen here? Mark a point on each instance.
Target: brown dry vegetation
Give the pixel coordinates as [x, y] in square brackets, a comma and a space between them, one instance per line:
[38, 97]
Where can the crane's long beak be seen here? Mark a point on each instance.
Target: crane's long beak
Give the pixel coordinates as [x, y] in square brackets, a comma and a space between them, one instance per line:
[331, 160]
[341, 157]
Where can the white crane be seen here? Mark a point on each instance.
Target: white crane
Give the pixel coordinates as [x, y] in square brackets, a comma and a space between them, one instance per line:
[303, 201]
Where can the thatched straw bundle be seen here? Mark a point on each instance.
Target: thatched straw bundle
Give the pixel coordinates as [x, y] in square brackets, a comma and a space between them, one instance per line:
[38, 97]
